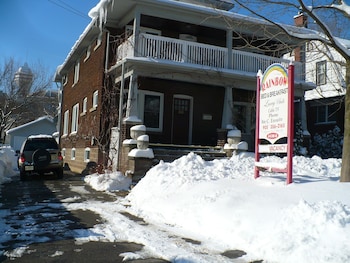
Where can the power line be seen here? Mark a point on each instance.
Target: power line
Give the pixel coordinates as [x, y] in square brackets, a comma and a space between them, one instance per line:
[69, 8]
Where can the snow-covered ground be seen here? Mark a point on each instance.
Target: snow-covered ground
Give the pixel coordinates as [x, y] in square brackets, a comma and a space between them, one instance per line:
[221, 205]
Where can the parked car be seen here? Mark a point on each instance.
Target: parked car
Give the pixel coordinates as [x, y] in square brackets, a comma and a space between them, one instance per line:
[40, 154]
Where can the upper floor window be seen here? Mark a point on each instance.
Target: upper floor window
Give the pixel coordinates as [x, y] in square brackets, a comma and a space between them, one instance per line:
[88, 53]
[151, 105]
[98, 41]
[84, 105]
[95, 99]
[65, 122]
[76, 72]
[321, 73]
[75, 113]
[65, 79]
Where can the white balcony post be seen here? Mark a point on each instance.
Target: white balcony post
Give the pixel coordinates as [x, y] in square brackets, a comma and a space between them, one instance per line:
[229, 59]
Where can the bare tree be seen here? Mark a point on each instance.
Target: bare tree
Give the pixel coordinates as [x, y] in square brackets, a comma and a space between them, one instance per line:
[322, 13]
[23, 102]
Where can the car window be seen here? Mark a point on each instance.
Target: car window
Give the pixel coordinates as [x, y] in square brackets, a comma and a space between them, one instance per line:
[33, 145]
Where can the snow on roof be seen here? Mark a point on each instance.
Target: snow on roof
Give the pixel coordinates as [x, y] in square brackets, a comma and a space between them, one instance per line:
[48, 118]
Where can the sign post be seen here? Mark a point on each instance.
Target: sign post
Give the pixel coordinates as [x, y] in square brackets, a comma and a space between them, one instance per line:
[274, 115]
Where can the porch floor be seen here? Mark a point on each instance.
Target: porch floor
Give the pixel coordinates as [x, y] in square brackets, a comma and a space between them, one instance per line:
[170, 152]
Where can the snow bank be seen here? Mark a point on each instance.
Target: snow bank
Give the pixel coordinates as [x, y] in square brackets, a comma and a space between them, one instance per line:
[221, 204]
[8, 163]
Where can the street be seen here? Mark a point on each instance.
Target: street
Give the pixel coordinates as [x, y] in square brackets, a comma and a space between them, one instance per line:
[39, 228]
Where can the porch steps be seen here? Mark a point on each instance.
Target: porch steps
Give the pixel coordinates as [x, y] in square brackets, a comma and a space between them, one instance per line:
[170, 152]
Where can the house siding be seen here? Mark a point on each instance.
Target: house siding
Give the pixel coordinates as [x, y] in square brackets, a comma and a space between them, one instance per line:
[91, 77]
[207, 100]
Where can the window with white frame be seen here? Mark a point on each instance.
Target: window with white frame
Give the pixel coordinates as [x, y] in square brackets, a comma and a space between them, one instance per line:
[63, 152]
[244, 116]
[76, 72]
[65, 122]
[151, 107]
[87, 155]
[98, 41]
[84, 105]
[321, 72]
[65, 80]
[95, 99]
[75, 113]
[326, 113]
[72, 155]
[88, 53]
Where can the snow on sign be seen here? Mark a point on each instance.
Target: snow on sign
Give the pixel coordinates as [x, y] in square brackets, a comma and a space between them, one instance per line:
[274, 106]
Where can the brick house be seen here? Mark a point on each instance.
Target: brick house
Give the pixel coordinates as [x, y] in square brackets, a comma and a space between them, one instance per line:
[184, 69]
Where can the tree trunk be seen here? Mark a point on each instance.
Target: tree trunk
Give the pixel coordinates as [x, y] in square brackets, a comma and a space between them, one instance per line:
[345, 168]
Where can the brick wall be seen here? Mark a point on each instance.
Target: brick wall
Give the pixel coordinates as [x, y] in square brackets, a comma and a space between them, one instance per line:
[91, 78]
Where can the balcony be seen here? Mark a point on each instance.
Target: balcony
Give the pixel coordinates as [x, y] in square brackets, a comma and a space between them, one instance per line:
[217, 58]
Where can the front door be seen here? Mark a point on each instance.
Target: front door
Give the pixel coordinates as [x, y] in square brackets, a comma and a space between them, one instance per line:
[182, 119]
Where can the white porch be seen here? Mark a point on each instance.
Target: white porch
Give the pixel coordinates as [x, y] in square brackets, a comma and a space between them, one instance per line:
[215, 57]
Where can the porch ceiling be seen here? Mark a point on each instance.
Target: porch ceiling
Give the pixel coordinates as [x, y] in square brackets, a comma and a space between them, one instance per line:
[194, 73]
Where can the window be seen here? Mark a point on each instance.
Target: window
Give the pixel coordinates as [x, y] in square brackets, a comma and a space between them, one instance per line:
[65, 80]
[76, 72]
[75, 113]
[87, 155]
[84, 105]
[244, 116]
[65, 122]
[88, 53]
[72, 155]
[151, 106]
[63, 152]
[321, 73]
[95, 99]
[98, 41]
[326, 113]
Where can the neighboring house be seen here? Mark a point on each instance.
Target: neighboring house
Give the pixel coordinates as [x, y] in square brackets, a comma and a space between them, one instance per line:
[16, 136]
[184, 69]
[326, 68]
[325, 103]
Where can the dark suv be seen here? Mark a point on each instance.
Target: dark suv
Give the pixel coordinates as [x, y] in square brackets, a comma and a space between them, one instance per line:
[40, 154]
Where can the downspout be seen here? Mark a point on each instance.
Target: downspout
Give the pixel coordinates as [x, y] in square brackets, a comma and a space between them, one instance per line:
[120, 118]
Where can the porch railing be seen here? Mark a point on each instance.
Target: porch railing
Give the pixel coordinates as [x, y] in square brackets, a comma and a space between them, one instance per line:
[182, 51]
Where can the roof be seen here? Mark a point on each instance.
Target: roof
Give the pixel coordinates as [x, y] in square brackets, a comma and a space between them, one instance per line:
[44, 118]
[113, 13]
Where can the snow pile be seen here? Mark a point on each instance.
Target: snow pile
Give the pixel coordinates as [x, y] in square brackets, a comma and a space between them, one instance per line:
[221, 204]
[8, 163]
[108, 182]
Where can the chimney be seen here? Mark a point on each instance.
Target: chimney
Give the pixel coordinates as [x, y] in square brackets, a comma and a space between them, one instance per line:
[300, 20]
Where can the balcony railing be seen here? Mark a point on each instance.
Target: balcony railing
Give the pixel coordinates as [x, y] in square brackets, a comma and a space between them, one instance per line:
[182, 51]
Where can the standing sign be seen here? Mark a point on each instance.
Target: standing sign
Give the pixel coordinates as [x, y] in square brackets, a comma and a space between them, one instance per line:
[274, 123]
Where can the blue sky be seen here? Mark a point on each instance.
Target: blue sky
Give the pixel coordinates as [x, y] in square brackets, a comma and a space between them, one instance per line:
[42, 31]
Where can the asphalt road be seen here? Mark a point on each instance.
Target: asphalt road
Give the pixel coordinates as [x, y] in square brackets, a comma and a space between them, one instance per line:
[35, 218]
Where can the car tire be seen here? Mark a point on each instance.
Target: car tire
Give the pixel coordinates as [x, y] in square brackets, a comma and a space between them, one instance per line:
[41, 158]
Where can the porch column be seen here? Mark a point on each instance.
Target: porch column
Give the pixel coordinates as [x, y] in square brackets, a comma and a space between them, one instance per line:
[132, 107]
[136, 29]
[228, 108]
[303, 117]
